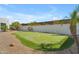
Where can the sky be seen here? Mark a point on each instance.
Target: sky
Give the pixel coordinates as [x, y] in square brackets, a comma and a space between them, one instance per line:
[25, 13]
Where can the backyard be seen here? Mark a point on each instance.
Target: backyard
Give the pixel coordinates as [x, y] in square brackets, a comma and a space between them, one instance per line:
[22, 43]
[42, 34]
[44, 41]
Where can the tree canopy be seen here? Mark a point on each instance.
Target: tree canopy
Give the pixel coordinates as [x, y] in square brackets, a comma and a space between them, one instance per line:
[15, 25]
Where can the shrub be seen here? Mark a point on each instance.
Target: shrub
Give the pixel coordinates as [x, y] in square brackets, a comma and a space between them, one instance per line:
[44, 46]
[4, 28]
[15, 26]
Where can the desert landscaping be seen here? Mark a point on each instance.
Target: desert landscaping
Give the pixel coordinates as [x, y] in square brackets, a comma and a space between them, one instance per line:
[35, 37]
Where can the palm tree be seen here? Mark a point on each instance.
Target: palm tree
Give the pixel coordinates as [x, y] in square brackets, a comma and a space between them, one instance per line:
[73, 24]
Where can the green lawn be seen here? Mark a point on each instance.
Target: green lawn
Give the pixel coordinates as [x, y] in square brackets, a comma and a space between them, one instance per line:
[36, 40]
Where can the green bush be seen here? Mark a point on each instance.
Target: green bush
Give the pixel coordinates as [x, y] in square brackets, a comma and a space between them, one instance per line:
[4, 28]
[44, 46]
[15, 26]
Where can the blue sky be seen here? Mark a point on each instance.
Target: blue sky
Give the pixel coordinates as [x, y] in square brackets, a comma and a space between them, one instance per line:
[25, 13]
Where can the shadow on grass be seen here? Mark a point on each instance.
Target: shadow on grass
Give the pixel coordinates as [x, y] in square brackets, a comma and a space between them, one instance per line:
[66, 45]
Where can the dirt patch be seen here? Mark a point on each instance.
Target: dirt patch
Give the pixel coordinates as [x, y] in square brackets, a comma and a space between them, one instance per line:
[10, 44]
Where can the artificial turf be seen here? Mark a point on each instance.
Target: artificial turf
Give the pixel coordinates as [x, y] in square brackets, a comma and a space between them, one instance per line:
[34, 39]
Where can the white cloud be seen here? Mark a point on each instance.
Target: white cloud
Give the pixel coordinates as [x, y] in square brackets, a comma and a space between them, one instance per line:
[25, 18]
[55, 18]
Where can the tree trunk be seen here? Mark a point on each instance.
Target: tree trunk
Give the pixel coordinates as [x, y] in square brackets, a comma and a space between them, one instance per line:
[74, 35]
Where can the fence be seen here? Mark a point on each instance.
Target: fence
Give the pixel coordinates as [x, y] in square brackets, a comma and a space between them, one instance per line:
[56, 28]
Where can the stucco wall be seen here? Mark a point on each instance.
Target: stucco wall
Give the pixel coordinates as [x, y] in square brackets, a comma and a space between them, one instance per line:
[57, 28]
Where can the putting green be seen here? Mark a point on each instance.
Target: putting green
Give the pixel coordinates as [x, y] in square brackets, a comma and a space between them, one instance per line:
[36, 38]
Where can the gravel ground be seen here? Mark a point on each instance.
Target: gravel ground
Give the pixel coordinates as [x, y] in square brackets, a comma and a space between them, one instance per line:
[6, 39]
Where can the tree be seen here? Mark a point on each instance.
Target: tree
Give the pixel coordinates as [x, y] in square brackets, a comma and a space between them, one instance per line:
[73, 24]
[4, 27]
[33, 23]
[15, 25]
